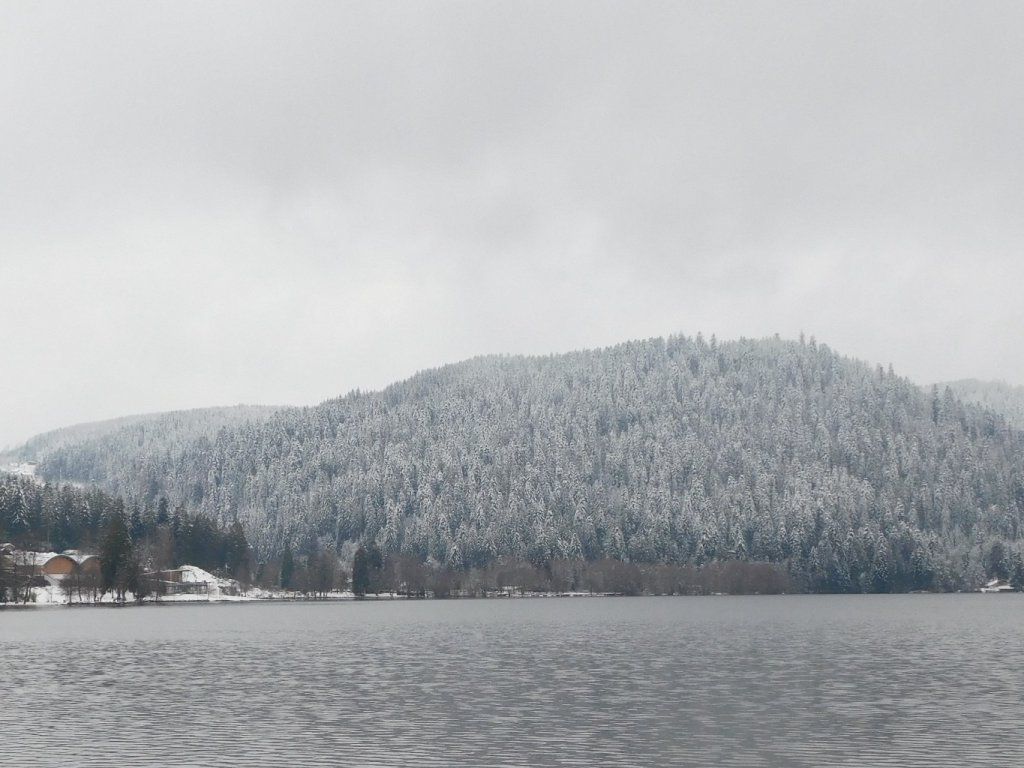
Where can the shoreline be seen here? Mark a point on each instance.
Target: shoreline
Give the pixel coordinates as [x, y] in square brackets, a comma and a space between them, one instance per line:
[348, 597]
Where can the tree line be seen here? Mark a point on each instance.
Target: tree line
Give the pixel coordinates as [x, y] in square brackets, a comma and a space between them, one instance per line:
[144, 539]
[375, 573]
[130, 540]
[139, 540]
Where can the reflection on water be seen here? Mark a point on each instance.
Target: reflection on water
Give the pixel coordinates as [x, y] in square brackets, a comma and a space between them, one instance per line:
[762, 681]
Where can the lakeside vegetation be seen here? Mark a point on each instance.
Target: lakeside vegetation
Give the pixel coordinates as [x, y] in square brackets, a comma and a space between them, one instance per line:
[131, 540]
[134, 541]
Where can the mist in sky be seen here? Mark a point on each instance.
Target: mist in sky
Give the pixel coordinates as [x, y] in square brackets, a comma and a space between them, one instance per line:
[211, 203]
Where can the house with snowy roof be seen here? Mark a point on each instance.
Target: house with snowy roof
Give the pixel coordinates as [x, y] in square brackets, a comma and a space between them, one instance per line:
[996, 586]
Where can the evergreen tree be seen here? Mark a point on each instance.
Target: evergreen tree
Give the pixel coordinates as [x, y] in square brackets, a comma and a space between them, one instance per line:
[375, 569]
[178, 536]
[135, 526]
[237, 555]
[360, 573]
[116, 556]
[163, 516]
[287, 567]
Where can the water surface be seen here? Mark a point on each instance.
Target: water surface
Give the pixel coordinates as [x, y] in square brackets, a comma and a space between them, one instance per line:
[915, 680]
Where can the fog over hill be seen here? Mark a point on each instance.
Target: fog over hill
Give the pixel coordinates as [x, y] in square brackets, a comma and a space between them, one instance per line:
[1005, 399]
[139, 433]
[677, 450]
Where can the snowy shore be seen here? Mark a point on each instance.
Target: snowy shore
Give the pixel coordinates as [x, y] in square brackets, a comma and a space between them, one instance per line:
[196, 586]
[49, 596]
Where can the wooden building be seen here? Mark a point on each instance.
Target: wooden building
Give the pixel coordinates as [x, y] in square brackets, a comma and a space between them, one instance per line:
[89, 565]
[53, 567]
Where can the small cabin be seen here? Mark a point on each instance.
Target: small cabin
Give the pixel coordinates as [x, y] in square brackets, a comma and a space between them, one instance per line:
[170, 575]
[180, 581]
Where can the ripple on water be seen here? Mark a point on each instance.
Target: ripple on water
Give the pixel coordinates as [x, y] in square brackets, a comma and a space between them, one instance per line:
[787, 681]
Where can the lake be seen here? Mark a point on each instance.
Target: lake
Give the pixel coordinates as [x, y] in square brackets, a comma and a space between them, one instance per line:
[903, 680]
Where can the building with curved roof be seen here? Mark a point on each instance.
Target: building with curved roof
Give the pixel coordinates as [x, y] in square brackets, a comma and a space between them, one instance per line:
[54, 567]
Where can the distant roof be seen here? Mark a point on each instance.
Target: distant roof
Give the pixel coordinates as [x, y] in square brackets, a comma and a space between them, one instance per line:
[191, 573]
[42, 558]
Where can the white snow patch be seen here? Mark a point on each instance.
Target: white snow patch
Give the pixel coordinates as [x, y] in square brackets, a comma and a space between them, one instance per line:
[23, 468]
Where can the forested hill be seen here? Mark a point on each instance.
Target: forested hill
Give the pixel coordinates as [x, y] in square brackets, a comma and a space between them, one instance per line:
[682, 450]
[130, 436]
[998, 396]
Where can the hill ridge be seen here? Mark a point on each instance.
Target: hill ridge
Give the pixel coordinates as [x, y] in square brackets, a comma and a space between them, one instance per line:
[669, 449]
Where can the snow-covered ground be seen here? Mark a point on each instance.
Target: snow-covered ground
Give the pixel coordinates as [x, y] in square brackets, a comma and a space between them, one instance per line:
[51, 595]
[23, 468]
[229, 591]
[218, 591]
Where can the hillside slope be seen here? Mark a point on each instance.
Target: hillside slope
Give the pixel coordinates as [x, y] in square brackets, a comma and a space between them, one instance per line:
[662, 450]
[88, 446]
[1005, 399]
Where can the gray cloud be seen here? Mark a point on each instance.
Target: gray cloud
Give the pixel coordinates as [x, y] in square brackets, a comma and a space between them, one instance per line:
[209, 203]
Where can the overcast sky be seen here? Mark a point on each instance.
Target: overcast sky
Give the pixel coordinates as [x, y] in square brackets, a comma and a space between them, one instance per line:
[212, 203]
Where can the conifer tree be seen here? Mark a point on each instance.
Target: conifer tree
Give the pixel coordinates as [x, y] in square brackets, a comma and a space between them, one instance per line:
[360, 573]
[287, 567]
[116, 556]
[163, 516]
[135, 524]
[237, 555]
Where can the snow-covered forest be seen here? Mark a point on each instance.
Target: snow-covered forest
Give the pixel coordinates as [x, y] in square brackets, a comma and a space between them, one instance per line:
[144, 432]
[998, 396]
[682, 450]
